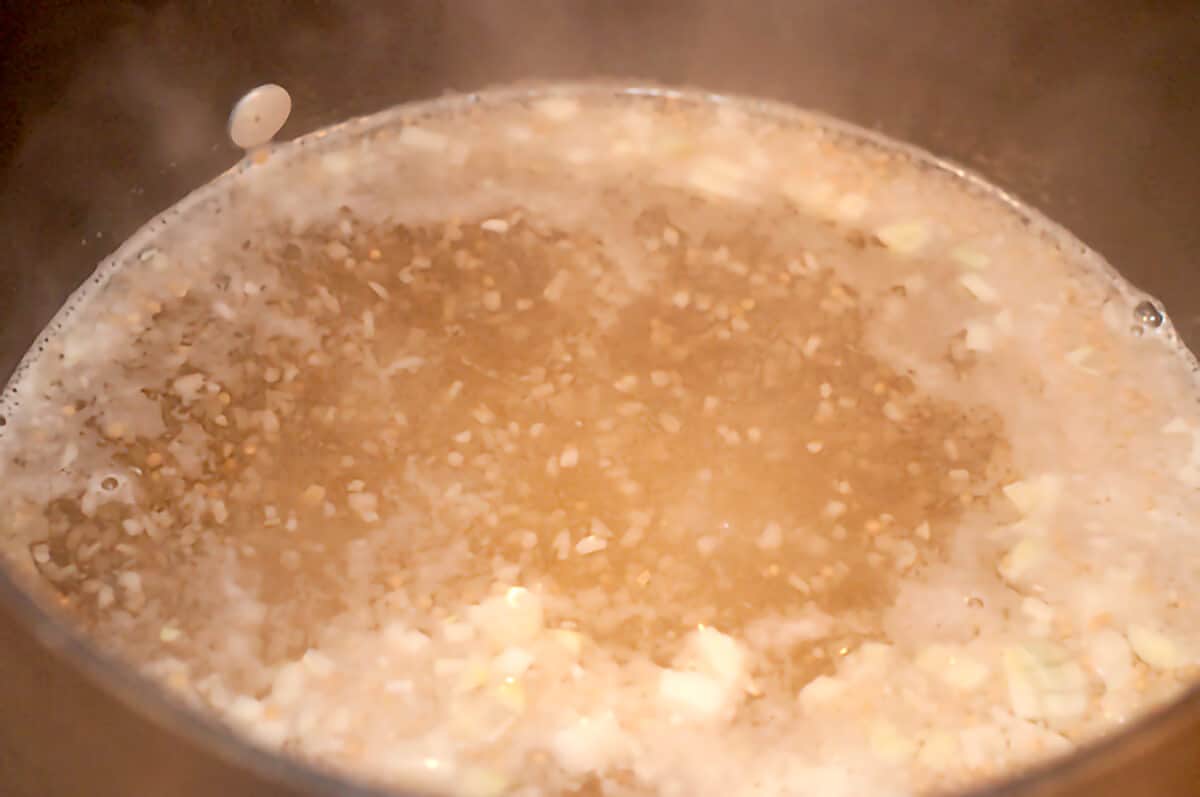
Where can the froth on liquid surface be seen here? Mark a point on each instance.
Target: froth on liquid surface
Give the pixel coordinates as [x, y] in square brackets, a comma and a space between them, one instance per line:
[623, 445]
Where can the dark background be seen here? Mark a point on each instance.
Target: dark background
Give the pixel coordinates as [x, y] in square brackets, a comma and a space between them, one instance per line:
[113, 109]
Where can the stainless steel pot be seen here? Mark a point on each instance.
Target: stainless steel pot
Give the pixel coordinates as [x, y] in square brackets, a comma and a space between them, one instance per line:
[1089, 109]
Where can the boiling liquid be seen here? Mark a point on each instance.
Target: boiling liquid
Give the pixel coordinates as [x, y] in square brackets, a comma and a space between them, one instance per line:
[617, 444]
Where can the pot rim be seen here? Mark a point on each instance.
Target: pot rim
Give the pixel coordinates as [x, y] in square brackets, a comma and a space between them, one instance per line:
[55, 631]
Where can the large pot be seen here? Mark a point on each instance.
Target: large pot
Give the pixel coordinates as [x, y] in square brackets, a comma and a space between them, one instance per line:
[1089, 109]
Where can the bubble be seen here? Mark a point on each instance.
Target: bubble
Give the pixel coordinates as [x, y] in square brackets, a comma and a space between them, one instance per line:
[1148, 314]
[110, 483]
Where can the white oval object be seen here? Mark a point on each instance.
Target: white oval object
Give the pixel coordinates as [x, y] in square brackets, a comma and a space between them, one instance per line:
[259, 115]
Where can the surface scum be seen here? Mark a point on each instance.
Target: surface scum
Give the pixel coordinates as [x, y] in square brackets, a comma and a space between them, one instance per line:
[597, 442]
